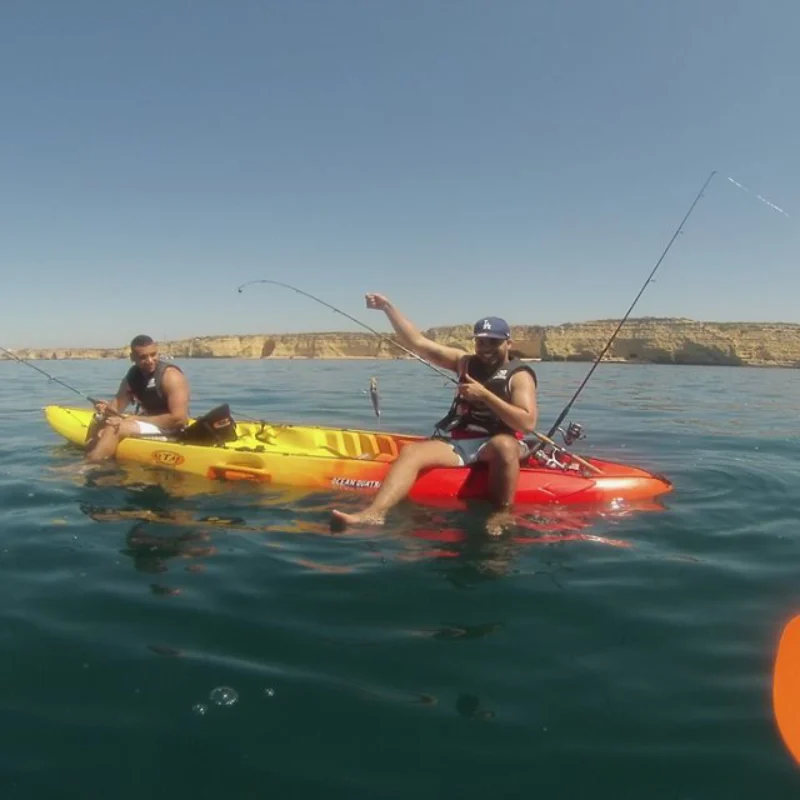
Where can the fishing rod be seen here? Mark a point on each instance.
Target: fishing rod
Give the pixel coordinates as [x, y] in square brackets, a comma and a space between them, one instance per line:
[358, 322]
[373, 386]
[48, 375]
[599, 358]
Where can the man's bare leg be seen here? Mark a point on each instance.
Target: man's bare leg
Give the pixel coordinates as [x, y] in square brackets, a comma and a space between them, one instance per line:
[105, 445]
[503, 455]
[412, 459]
[109, 437]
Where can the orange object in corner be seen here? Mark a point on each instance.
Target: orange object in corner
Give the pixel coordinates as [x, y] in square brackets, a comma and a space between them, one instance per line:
[786, 687]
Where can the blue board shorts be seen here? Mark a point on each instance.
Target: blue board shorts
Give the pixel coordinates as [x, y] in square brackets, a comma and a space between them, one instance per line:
[469, 449]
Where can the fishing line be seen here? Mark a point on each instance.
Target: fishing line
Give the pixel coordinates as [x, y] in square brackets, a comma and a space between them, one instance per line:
[358, 322]
[600, 357]
[48, 375]
[759, 197]
[539, 436]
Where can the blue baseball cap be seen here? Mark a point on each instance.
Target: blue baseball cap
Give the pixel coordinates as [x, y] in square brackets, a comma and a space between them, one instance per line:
[491, 328]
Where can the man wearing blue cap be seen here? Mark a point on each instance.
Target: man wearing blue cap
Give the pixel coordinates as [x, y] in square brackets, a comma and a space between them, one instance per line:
[493, 410]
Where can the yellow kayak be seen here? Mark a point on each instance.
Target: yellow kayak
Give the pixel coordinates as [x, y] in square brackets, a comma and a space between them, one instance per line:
[325, 459]
[252, 455]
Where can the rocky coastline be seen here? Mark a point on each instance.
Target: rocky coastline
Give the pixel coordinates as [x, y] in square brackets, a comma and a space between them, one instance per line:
[641, 341]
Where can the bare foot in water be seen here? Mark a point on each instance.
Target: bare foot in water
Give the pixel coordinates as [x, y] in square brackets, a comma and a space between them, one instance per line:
[499, 522]
[340, 520]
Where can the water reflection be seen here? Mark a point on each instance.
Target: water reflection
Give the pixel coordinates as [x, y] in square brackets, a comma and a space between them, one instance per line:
[468, 705]
[456, 542]
[151, 545]
[463, 553]
[151, 553]
[454, 630]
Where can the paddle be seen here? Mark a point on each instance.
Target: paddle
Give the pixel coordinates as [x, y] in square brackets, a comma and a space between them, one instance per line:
[786, 687]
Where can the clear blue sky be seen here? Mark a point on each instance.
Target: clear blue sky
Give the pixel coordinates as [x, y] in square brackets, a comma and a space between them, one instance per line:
[524, 159]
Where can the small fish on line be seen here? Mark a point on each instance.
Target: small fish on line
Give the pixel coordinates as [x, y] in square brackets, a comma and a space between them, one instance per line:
[759, 197]
[374, 396]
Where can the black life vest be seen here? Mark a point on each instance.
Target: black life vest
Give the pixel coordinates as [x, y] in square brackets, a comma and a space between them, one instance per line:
[149, 391]
[479, 419]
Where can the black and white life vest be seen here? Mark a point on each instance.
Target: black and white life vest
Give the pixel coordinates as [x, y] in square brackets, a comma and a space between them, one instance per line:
[148, 391]
[477, 419]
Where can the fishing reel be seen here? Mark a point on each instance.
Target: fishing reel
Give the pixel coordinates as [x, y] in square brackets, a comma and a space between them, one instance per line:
[553, 457]
[573, 433]
[547, 458]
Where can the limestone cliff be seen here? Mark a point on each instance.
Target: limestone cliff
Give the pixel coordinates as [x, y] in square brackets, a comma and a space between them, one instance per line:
[677, 341]
[644, 340]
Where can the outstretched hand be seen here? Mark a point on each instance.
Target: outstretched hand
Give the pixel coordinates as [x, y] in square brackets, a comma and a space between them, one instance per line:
[377, 302]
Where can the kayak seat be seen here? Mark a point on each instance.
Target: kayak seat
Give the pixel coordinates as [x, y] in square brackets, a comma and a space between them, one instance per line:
[215, 427]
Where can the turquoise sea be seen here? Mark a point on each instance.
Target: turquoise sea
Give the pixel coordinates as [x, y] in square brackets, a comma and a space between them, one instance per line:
[149, 653]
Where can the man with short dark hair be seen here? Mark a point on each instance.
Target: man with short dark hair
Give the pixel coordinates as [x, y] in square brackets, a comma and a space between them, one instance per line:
[161, 392]
[493, 410]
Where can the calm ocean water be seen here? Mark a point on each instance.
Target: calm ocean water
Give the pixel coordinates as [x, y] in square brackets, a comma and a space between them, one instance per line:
[269, 658]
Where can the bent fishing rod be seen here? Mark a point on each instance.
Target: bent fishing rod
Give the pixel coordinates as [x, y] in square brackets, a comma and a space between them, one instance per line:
[539, 436]
[48, 375]
[358, 322]
[599, 358]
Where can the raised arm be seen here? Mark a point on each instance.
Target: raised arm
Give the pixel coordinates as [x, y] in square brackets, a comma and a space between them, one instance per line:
[413, 339]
